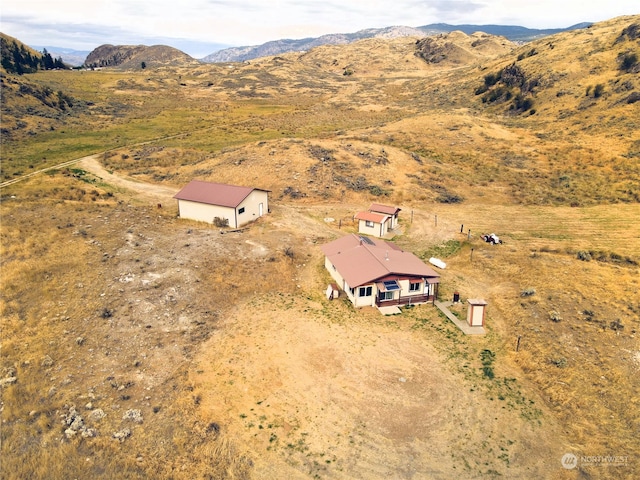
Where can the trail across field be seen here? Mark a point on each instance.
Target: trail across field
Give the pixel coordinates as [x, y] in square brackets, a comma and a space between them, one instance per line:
[154, 191]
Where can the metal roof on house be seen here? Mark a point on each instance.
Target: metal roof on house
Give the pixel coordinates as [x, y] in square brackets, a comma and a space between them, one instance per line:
[372, 217]
[380, 208]
[214, 193]
[361, 263]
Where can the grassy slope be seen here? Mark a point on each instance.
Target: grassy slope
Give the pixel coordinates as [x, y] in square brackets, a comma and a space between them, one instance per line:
[294, 123]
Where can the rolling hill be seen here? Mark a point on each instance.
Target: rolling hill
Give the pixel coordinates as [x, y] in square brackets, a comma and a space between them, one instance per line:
[134, 56]
[278, 47]
[137, 344]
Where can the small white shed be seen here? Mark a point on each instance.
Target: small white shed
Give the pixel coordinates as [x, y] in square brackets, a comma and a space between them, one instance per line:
[476, 312]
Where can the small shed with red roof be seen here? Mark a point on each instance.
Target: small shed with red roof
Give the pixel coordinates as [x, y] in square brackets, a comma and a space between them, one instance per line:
[206, 201]
[378, 220]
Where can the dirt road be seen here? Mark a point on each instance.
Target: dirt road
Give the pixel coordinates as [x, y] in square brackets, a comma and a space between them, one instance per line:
[151, 191]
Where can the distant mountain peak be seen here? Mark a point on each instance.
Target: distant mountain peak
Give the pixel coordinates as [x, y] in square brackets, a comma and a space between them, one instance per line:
[276, 47]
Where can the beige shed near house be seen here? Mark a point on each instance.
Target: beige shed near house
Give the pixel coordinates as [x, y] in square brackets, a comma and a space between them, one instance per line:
[205, 201]
[378, 220]
[476, 312]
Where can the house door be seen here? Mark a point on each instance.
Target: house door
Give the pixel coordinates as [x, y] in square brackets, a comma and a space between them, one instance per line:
[261, 209]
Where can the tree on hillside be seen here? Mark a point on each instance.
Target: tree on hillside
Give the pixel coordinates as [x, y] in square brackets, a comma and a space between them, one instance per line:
[47, 60]
[18, 59]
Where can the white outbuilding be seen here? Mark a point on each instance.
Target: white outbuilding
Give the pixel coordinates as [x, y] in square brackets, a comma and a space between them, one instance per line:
[206, 201]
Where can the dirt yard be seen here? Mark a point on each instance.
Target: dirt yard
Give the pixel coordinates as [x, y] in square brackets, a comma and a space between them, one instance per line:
[311, 388]
[227, 348]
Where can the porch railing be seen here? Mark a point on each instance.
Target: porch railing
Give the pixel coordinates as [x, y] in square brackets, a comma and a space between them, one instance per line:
[405, 300]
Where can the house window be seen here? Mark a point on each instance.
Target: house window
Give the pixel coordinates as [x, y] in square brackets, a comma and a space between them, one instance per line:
[368, 223]
[414, 287]
[365, 291]
[240, 211]
[386, 296]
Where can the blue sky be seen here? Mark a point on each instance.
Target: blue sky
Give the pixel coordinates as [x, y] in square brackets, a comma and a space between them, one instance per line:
[200, 27]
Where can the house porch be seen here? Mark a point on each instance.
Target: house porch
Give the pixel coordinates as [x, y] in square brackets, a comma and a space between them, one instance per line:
[413, 299]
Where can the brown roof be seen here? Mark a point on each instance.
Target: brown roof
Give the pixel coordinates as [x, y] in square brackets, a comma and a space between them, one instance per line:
[363, 260]
[372, 217]
[214, 193]
[380, 208]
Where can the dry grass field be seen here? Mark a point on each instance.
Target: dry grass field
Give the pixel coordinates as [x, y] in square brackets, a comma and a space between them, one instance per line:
[139, 345]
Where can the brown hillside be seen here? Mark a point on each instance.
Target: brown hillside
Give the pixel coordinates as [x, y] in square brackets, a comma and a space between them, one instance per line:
[457, 48]
[136, 344]
[132, 56]
[393, 57]
[10, 39]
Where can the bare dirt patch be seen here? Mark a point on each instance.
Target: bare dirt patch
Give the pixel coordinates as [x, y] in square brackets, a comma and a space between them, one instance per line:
[149, 190]
[314, 389]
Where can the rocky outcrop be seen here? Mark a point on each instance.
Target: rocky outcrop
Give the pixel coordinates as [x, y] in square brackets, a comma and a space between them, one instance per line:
[137, 57]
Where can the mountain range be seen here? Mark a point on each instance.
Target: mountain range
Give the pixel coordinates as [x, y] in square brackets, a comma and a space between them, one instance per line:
[276, 47]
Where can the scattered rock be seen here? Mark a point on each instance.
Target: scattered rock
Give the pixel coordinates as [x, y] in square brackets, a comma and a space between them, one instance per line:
[47, 361]
[97, 414]
[122, 434]
[73, 419]
[8, 381]
[89, 433]
[134, 415]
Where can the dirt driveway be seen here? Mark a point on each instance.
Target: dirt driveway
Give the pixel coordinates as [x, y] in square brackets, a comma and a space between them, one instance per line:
[149, 191]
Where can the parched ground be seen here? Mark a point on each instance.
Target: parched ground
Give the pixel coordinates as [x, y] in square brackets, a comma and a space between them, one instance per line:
[315, 390]
[237, 365]
[308, 387]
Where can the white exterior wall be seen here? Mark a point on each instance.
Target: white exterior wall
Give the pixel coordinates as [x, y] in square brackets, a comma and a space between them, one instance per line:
[377, 230]
[428, 289]
[373, 230]
[404, 289]
[205, 213]
[251, 206]
[475, 315]
[334, 274]
[355, 299]
[359, 301]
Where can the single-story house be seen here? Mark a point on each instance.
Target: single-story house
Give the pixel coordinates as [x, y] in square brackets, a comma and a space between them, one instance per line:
[205, 201]
[378, 220]
[377, 273]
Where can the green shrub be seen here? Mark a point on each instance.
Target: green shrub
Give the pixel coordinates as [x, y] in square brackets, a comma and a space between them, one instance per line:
[221, 222]
[584, 256]
[628, 62]
[487, 357]
[491, 79]
[598, 90]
